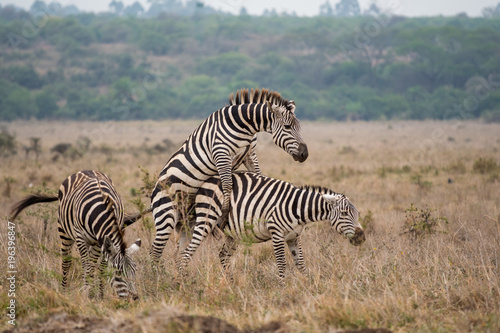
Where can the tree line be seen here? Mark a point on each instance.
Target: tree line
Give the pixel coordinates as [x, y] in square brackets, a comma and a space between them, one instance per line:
[365, 67]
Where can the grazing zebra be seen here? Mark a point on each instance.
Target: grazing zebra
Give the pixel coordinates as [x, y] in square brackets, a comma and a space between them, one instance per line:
[91, 214]
[224, 141]
[264, 208]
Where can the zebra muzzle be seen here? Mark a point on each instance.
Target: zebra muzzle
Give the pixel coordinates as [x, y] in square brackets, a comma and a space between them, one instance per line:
[358, 238]
[302, 153]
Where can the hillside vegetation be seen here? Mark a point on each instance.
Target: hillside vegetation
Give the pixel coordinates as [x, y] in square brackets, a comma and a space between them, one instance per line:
[380, 66]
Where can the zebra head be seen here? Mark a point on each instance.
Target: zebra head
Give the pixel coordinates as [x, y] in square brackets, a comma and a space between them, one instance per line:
[285, 130]
[121, 261]
[344, 218]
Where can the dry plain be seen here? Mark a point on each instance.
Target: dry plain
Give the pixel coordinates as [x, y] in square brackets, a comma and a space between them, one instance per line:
[428, 195]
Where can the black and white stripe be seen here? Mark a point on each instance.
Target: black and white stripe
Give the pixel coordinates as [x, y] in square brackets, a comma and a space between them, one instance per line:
[224, 141]
[264, 208]
[91, 214]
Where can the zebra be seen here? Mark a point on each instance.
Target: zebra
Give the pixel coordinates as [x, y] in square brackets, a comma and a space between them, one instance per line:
[264, 208]
[220, 144]
[91, 214]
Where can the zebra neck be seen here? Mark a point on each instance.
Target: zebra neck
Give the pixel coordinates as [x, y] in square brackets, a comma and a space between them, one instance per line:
[312, 207]
[253, 117]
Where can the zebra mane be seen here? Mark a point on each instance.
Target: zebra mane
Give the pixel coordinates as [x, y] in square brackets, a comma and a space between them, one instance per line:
[319, 189]
[325, 190]
[244, 96]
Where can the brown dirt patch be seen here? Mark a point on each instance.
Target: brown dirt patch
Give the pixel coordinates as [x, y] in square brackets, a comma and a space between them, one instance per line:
[160, 321]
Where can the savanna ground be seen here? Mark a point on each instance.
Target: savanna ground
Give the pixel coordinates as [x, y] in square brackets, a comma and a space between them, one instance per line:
[428, 195]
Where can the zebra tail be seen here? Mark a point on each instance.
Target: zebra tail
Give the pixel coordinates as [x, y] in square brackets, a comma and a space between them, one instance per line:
[132, 218]
[30, 200]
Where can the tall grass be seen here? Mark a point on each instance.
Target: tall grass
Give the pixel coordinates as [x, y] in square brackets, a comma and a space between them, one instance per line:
[446, 280]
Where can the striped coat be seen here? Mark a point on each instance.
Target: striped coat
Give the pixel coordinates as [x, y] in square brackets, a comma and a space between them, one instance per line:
[224, 141]
[91, 215]
[264, 208]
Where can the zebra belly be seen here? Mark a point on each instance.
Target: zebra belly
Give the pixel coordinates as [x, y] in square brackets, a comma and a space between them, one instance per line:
[254, 230]
[292, 234]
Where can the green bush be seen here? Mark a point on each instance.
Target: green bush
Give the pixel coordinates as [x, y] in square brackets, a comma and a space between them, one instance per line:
[485, 165]
[420, 222]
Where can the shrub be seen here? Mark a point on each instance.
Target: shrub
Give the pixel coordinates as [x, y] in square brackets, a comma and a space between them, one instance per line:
[417, 179]
[485, 165]
[8, 145]
[366, 221]
[420, 222]
[457, 167]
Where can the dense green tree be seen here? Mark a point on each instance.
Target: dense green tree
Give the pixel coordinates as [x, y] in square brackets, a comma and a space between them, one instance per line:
[46, 103]
[25, 76]
[347, 8]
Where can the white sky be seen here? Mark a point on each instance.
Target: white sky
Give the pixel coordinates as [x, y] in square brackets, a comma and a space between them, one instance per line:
[304, 8]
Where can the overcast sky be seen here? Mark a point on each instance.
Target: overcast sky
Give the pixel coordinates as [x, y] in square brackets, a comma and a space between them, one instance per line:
[304, 8]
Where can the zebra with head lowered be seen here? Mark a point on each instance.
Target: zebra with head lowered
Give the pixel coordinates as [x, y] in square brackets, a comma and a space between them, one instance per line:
[264, 208]
[91, 214]
[224, 141]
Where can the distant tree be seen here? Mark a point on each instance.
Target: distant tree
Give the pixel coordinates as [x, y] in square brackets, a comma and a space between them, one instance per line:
[326, 9]
[25, 76]
[46, 102]
[243, 11]
[269, 13]
[154, 41]
[373, 10]
[41, 8]
[347, 8]
[134, 10]
[116, 6]
[8, 145]
[490, 12]
[69, 10]
[12, 13]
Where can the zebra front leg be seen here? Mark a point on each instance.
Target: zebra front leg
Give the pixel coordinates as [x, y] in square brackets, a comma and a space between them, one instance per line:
[228, 249]
[164, 213]
[223, 161]
[279, 253]
[102, 264]
[66, 246]
[295, 247]
[251, 162]
[96, 286]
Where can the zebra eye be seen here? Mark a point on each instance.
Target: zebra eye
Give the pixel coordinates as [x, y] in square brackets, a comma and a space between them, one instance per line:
[287, 127]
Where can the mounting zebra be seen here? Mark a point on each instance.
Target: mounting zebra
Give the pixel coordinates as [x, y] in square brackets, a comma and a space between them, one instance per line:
[264, 208]
[91, 214]
[224, 141]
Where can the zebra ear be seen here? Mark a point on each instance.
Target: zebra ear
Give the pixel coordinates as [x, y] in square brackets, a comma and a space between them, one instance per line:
[273, 108]
[108, 247]
[332, 199]
[291, 106]
[134, 247]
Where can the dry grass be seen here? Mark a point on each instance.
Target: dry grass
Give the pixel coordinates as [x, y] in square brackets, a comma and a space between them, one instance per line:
[446, 281]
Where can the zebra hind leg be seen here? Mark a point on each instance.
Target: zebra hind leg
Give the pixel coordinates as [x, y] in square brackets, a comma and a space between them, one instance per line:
[165, 221]
[66, 246]
[228, 249]
[200, 232]
[295, 247]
